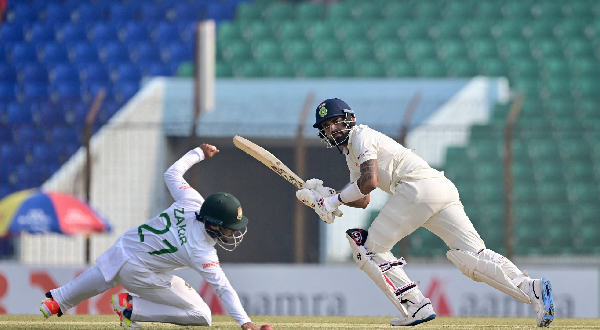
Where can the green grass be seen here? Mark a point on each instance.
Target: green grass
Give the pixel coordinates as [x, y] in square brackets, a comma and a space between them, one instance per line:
[292, 323]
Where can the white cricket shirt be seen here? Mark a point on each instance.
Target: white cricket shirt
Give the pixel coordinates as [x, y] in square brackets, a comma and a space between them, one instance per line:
[394, 161]
[175, 239]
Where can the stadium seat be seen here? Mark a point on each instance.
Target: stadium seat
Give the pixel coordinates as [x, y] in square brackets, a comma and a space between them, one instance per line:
[483, 49]
[399, 68]
[418, 30]
[54, 54]
[527, 242]
[328, 51]
[89, 13]
[370, 69]
[452, 49]
[114, 54]
[309, 69]
[185, 12]
[509, 29]
[389, 50]
[523, 68]
[493, 67]
[49, 114]
[421, 50]
[41, 34]
[125, 90]
[134, 33]
[513, 48]
[22, 13]
[583, 192]
[8, 74]
[66, 91]
[309, 11]
[446, 29]
[579, 49]
[257, 31]
[27, 136]
[572, 28]
[460, 10]
[152, 12]
[45, 154]
[367, 11]
[399, 10]
[231, 30]
[34, 92]
[146, 52]
[382, 31]
[525, 192]
[85, 53]
[324, 30]
[127, 72]
[12, 33]
[489, 10]
[339, 11]
[479, 29]
[539, 29]
[72, 34]
[358, 51]
[279, 69]
[62, 135]
[64, 73]
[338, 69]
[248, 70]
[354, 31]
[57, 13]
[12, 154]
[489, 192]
[279, 11]
[180, 52]
[249, 11]
[104, 33]
[8, 92]
[34, 73]
[121, 12]
[297, 51]
[95, 72]
[167, 32]
[23, 54]
[220, 12]
[223, 70]
[267, 51]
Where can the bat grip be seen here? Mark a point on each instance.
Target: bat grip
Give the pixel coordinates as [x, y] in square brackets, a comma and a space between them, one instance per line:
[338, 213]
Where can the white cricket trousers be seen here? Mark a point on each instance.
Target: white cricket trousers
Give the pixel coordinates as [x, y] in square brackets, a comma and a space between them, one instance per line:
[161, 297]
[432, 203]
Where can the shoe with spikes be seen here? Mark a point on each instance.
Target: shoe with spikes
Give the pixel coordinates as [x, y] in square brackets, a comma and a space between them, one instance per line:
[540, 293]
[50, 307]
[417, 313]
[122, 306]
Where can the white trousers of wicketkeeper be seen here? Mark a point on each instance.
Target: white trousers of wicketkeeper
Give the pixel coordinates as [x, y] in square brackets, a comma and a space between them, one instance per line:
[434, 203]
[161, 297]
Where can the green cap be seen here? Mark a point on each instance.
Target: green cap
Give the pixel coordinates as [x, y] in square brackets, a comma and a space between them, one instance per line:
[223, 210]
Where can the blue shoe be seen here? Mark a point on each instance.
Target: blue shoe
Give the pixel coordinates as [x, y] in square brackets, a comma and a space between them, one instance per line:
[540, 293]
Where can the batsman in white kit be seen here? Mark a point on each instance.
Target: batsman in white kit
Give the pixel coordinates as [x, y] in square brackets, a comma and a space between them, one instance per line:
[420, 197]
[182, 236]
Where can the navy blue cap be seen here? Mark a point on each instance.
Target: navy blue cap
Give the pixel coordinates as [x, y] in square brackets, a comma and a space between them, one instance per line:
[330, 108]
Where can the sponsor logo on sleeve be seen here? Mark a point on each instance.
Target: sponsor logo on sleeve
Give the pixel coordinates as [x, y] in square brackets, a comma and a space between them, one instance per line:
[211, 264]
[366, 152]
[185, 185]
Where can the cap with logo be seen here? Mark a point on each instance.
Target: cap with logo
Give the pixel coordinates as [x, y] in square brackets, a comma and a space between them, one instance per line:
[223, 210]
[330, 108]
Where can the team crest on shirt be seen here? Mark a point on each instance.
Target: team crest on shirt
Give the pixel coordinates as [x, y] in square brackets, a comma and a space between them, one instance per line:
[189, 286]
[239, 216]
[322, 110]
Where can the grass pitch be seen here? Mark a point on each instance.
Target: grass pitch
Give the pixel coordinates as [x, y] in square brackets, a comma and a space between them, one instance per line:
[292, 323]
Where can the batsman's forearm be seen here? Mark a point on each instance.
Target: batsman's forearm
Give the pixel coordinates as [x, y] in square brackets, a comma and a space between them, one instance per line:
[360, 203]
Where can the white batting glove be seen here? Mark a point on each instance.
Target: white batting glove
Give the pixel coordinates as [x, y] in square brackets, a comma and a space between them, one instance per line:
[315, 201]
[317, 185]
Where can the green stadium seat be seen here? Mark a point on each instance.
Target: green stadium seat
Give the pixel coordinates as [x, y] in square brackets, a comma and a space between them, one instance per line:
[229, 30]
[267, 51]
[550, 11]
[563, 114]
[489, 170]
[420, 50]
[279, 11]
[462, 10]
[255, 31]
[578, 49]
[328, 51]
[489, 10]
[548, 49]
[587, 213]
[297, 51]
[400, 68]
[490, 192]
[522, 172]
[477, 29]
[557, 214]
[382, 30]
[539, 29]
[310, 11]
[517, 9]
[587, 239]
[571, 28]
[367, 11]
[370, 69]
[359, 50]
[291, 30]
[587, 88]
[340, 11]
[460, 172]
[552, 192]
[530, 87]
[352, 31]
[279, 69]
[555, 69]
[249, 11]
[431, 68]
[467, 193]
[237, 51]
[484, 149]
[542, 149]
[473, 212]
[493, 67]
[557, 87]
[509, 29]
[579, 9]
[583, 192]
[389, 50]
[560, 240]
[397, 10]
[524, 192]
[321, 30]
[427, 10]
[452, 49]
[523, 68]
[527, 241]
[514, 48]
[417, 30]
[335, 68]
[482, 49]
[446, 29]
[575, 149]
[588, 110]
[549, 171]
[309, 69]
[456, 154]
[570, 129]
[248, 70]
[527, 214]
[223, 70]
[492, 213]
[462, 68]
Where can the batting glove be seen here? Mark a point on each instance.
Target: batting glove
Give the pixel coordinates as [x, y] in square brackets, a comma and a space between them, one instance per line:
[317, 185]
[315, 201]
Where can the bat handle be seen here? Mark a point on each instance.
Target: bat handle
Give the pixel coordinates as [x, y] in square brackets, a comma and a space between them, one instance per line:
[338, 213]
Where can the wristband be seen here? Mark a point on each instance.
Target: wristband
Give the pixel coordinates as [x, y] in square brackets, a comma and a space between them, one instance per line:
[351, 193]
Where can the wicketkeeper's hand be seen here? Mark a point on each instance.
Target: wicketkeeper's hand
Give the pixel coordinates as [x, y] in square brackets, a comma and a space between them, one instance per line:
[315, 201]
[317, 185]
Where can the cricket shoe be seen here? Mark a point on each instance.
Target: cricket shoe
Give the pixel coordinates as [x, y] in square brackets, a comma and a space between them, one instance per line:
[50, 307]
[417, 313]
[540, 294]
[123, 308]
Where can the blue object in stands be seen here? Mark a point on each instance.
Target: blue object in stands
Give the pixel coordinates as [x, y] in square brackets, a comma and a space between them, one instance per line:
[64, 73]
[157, 69]
[152, 12]
[49, 113]
[28, 177]
[6, 135]
[78, 114]
[54, 54]
[135, 33]
[88, 13]
[184, 12]
[115, 53]
[93, 88]
[34, 92]
[67, 91]
[104, 33]
[168, 32]
[12, 154]
[23, 53]
[128, 73]
[23, 13]
[18, 113]
[56, 13]
[34, 73]
[42, 33]
[64, 135]
[11, 33]
[8, 91]
[123, 91]
[120, 12]
[85, 53]
[72, 34]
[45, 154]
[8, 74]
[219, 12]
[96, 72]
[28, 135]
[179, 51]
[146, 52]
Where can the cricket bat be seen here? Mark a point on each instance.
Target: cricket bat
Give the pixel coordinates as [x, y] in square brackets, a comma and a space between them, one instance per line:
[271, 162]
